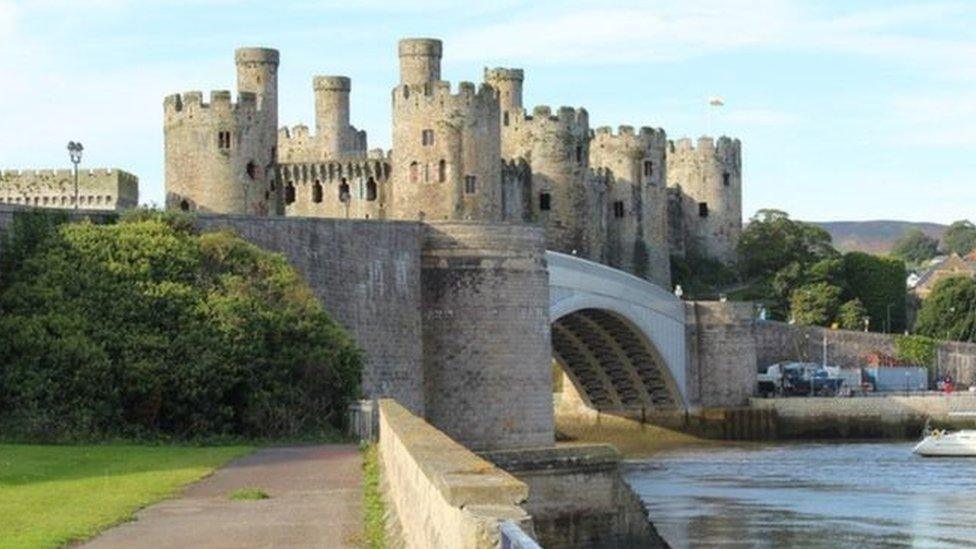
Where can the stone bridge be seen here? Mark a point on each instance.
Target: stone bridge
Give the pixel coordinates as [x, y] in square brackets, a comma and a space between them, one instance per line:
[620, 339]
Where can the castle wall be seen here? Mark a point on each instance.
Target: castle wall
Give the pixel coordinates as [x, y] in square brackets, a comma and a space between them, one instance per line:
[348, 188]
[636, 200]
[486, 334]
[98, 189]
[710, 174]
[722, 351]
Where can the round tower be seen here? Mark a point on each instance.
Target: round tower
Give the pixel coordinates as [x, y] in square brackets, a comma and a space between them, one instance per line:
[636, 201]
[420, 60]
[214, 159]
[508, 83]
[332, 113]
[446, 152]
[709, 175]
[257, 73]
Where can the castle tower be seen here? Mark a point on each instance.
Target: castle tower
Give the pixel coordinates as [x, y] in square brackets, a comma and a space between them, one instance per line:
[709, 177]
[257, 73]
[637, 202]
[508, 83]
[332, 112]
[446, 147]
[220, 156]
[420, 60]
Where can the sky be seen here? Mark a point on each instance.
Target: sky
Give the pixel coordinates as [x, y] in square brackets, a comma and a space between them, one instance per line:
[847, 110]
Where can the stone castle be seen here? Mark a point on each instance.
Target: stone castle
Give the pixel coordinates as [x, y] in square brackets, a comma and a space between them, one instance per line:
[98, 189]
[628, 198]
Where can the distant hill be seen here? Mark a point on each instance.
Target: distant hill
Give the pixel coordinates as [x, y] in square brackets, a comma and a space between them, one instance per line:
[875, 237]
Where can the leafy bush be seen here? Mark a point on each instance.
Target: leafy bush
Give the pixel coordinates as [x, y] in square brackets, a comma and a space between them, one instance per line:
[915, 349]
[146, 328]
[815, 304]
[915, 247]
[960, 237]
[879, 282]
[949, 312]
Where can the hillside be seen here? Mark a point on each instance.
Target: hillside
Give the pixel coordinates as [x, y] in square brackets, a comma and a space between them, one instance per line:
[876, 237]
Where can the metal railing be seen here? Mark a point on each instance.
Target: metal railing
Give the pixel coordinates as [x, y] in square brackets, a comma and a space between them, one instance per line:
[513, 537]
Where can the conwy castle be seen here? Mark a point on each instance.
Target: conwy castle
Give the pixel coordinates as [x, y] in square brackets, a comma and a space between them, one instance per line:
[628, 199]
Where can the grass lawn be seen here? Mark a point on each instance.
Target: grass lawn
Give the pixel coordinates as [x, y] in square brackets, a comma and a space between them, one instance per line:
[50, 495]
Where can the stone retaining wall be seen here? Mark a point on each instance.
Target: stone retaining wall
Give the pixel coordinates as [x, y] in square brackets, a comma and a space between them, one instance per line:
[867, 417]
[441, 494]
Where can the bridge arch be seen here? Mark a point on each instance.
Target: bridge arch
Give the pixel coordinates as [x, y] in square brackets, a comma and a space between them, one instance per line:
[619, 338]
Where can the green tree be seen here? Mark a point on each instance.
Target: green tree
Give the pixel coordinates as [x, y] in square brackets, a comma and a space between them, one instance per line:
[915, 247]
[146, 328]
[879, 282]
[851, 315]
[772, 241]
[815, 304]
[949, 312]
[960, 237]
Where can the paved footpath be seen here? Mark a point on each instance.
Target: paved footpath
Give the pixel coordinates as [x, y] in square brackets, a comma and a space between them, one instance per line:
[316, 501]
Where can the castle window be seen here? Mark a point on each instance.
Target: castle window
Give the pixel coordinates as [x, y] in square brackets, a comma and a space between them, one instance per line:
[344, 191]
[289, 194]
[505, 118]
[184, 206]
[427, 172]
[317, 192]
[427, 137]
[703, 209]
[579, 154]
[470, 184]
[414, 172]
[371, 189]
[223, 140]
[252, 169]
[545, 201]
[725, 178]
[648, 168]
[618, 209]
[442, 171]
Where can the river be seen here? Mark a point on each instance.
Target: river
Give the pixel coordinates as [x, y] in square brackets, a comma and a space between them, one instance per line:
[808, 495]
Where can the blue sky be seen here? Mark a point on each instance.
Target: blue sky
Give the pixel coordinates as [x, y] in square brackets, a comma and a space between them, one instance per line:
[847, 110]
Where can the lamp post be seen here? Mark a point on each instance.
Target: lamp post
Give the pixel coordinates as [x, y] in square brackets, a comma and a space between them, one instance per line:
[74, 151]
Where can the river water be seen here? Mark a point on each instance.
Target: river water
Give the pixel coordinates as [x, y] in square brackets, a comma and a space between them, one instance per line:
[808, 495]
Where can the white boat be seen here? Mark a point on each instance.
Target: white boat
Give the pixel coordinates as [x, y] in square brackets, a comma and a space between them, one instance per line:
[944, 444]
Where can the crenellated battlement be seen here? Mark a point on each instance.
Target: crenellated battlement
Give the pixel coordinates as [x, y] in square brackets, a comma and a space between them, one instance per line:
[350, 168]
[724, 147]
[627, 137]
[569, 119]
[191, 104]
[441, 95]
[501, 73]
[331, 83]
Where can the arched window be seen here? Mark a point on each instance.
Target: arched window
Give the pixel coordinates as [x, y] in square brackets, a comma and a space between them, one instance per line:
[371, 189]
[726, 178]
[252, 169]
[414, 172]
[289, 194]
[442, 171]
[579, 154]
[184, 206]
[545, 201]
[344, 191]
[505, 118]
[317, 192]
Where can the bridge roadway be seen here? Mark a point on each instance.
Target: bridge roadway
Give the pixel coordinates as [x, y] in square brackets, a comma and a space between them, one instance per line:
[620, 339]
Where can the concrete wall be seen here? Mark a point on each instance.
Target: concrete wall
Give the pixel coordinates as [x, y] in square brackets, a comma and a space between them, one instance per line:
[441, 494]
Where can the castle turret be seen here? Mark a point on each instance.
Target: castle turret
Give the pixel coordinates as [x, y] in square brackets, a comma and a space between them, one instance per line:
[220, 156]
[446, 147]
[331, 109]
[420, 60]
[709, 179]
[508, 83]
[637, 202]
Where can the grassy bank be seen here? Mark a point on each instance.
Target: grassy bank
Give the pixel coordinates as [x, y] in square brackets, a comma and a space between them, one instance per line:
[373, 506]
[51, 495]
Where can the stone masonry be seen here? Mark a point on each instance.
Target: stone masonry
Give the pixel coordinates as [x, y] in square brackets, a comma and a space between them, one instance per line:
[98, 189]
[468, 153]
